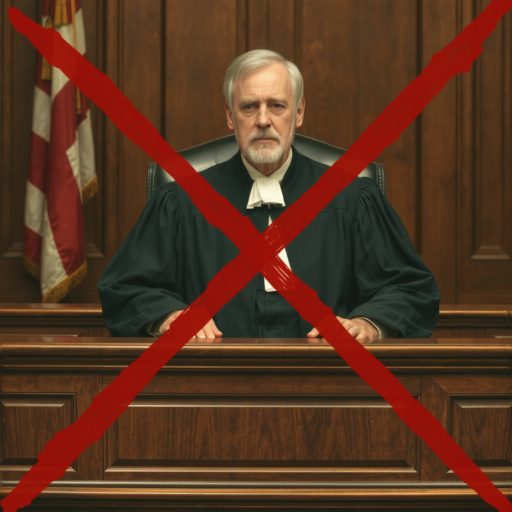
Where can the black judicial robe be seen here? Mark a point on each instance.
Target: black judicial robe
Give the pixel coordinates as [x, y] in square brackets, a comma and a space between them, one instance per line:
[356, 254]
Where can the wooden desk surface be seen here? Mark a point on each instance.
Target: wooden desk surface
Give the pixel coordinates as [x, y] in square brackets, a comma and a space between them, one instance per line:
[404, 355]
[260, 423]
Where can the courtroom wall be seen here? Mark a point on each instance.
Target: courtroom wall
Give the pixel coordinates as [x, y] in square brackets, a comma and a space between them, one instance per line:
[449, 176]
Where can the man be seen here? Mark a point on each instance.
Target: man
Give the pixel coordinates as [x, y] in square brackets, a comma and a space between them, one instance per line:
[356, 253]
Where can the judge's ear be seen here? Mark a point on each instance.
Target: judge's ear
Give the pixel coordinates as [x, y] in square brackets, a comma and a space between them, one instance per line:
[229, 116]
[299, 115]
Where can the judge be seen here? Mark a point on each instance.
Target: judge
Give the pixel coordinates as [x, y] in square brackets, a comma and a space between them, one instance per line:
[356, 254]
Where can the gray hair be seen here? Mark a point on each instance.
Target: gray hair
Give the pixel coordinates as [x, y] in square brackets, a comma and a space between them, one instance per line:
[249, 62]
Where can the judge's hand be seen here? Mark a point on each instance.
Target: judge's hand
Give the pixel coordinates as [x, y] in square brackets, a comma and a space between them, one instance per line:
[363, 331]
[208, 331]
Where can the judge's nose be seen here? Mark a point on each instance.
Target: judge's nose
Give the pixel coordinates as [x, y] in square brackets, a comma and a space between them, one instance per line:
[263, 120]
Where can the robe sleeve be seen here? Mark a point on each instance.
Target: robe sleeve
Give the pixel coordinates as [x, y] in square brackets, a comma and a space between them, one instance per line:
[393, 284]
[139, 284]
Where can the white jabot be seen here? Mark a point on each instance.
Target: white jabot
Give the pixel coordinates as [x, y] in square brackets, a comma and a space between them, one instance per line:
[267, 190]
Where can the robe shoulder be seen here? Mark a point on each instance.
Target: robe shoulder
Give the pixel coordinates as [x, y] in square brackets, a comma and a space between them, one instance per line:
[394, 284]
[139, 284]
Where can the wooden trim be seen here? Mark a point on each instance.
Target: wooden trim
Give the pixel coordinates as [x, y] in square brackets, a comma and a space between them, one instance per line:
[78, 311]
[447, 311]
[272, 355]
[416, 496]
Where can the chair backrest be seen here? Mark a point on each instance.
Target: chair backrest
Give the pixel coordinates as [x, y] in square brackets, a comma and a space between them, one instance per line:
[220, 150]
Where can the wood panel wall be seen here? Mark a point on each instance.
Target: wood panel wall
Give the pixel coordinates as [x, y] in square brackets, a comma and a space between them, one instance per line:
[449, 175]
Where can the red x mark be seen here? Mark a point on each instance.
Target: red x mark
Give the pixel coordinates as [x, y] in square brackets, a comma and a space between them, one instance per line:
[258, 253]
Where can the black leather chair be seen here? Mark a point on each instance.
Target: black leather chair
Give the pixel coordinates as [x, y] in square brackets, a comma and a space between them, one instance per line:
[219, 150]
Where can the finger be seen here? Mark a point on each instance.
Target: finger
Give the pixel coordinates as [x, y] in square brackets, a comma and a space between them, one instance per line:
[215, 328]
[314, 333]
[169, 320]
[175, 315]
[201, 334]
[354, 330]
[362, 336]
[352, 327]
[165, 326]
[208, 330]
[347, 324]
[363, 340]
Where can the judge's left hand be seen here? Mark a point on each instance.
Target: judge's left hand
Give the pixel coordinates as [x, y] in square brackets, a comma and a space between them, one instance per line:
[363, 331]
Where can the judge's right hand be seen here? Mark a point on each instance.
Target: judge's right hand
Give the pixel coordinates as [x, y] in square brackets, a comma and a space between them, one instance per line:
[208, 331]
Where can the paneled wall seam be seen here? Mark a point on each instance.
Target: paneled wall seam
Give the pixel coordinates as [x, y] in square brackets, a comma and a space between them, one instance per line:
[419, 133]
[101, 16]
[3, 9]
[163, 68]
[475, 153]
[121, 139]
[7, 116]
[458, 160]
[297, 35]
[505, 83]
[247, 21]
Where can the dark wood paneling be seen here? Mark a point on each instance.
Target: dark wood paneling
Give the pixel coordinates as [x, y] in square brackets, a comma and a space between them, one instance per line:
[140, 72]
[355, 61]
[485, 265]
[261, 437]
[476, 412]
[33, 407]
[22, 440]
[437, 163]
[52, 319]
[200, 42]
[241, 424]
[481, 426]
[449, 175]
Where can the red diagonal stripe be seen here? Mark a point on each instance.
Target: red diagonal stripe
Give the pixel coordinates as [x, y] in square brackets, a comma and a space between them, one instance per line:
[325, 320]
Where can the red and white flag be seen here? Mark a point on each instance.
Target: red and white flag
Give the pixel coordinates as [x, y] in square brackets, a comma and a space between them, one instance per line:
[61, 174]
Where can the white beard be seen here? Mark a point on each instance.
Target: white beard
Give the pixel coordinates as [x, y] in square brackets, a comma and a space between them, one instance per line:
[263, 153]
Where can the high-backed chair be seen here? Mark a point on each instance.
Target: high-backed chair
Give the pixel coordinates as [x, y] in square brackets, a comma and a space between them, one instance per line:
[217, 151]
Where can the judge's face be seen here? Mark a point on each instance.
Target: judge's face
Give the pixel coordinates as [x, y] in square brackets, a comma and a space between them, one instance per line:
[264, 117]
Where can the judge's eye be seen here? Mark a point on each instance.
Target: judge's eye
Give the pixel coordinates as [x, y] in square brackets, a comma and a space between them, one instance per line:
[278, 106]
[247, 107]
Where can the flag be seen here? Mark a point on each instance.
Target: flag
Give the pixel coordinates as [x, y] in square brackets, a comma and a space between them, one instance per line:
[61, 172]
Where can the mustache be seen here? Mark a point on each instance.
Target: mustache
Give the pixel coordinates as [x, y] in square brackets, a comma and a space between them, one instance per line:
[265, 134]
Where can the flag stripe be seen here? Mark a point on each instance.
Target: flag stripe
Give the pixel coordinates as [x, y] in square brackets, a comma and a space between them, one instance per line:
[37, 157]
[35, 202]
[41, 117]
[52, 269]
[86, 153]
